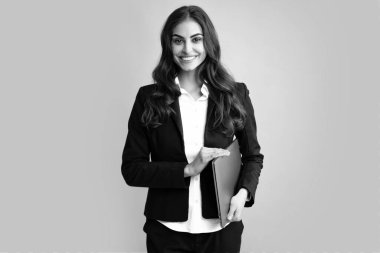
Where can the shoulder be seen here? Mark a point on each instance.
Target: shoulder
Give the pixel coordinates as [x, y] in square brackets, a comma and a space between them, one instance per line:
[149, 88]
[241, 89]
[146, 90]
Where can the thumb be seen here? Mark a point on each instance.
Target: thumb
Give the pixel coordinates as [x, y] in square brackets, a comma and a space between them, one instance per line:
[231, 212]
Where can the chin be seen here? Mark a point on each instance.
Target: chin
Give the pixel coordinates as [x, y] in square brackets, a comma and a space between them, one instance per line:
[191, 67]
[187, 69]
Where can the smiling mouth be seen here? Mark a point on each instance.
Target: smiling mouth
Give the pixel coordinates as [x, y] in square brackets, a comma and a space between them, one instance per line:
[188, 58]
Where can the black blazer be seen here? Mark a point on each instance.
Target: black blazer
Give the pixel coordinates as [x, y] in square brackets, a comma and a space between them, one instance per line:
[155, 158]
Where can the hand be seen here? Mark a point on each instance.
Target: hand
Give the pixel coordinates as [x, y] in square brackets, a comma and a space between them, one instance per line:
[204, 156]
[237, 205]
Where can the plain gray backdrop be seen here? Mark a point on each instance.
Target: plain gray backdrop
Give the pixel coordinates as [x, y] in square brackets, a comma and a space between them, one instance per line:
[69, 74]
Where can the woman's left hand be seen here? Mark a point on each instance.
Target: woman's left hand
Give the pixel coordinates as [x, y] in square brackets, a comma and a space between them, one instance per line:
[237, 205]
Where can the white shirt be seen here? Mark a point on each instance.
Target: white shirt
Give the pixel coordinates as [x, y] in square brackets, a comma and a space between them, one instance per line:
[193, 115]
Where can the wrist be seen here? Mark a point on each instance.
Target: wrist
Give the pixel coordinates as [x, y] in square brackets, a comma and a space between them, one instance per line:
[243, 193]
[188, 171]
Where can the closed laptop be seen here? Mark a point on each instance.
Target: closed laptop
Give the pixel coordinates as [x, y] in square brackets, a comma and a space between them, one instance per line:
[226, 171]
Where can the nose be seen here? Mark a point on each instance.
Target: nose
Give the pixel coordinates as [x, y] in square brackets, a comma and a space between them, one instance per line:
[187, 48]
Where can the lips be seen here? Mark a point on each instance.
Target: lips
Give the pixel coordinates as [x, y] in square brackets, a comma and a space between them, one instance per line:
[188, 58]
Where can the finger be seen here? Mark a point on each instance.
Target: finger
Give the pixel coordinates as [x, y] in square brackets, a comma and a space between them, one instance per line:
[208, 154]
[231, 212]
[207, 150]
[223, 153]
[237, 214]
[212, 150]
[213, 154]
[220, 152]
[203, 150]
[226, 153]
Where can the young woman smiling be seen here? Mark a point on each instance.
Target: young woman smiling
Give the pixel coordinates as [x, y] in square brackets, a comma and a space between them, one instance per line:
[191, 113]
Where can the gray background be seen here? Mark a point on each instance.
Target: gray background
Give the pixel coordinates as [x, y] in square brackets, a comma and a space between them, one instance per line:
[70, 71]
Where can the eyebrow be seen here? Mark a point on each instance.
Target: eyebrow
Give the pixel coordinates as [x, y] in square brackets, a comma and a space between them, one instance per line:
[190, 36]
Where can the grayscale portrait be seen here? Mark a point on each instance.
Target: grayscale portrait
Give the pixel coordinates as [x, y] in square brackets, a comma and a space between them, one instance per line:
[201, 126]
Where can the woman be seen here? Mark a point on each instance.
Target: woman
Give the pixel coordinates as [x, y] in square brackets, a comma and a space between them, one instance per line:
[177, 126]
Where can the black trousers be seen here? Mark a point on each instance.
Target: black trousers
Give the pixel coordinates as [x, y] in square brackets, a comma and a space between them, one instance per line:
[160, 239]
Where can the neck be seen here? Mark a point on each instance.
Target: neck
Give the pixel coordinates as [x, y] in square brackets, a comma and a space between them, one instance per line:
[188, 79]
[190, 83]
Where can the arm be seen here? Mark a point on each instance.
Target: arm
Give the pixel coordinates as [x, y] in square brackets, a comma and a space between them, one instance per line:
[136, 168]
[252, 159]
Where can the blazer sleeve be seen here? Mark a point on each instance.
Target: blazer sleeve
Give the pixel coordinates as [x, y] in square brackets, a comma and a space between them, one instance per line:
[137, 169]
[252, 159]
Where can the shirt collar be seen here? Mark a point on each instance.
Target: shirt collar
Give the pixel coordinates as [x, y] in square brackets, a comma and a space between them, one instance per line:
[204, 89]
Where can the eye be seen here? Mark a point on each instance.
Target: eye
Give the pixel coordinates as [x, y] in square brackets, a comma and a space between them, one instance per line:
[177, 41]
[197, 39]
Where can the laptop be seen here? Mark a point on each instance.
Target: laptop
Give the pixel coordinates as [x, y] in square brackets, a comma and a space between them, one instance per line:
[226, 171]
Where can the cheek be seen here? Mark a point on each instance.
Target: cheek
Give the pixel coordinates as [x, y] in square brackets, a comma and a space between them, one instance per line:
[203, 57]
[176, 49]
[201, 49]
[203, 53]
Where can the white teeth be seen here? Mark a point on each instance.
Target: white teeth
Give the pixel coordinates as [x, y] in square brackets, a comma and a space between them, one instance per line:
[188, 58]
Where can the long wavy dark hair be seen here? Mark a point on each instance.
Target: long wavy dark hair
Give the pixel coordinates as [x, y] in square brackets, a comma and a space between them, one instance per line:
[230, 114]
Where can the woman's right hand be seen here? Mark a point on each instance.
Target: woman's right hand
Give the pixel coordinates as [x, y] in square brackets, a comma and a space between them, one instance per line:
[204, 156]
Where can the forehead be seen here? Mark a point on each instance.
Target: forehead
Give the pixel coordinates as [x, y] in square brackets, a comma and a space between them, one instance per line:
[187, 28]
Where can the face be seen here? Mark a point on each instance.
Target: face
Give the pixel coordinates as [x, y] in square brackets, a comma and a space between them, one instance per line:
[187, 45]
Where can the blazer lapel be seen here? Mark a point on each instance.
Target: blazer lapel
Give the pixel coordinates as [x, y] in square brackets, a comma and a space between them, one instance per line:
[178, 120]
[177, 117]
[209, 121]
[210, 109]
